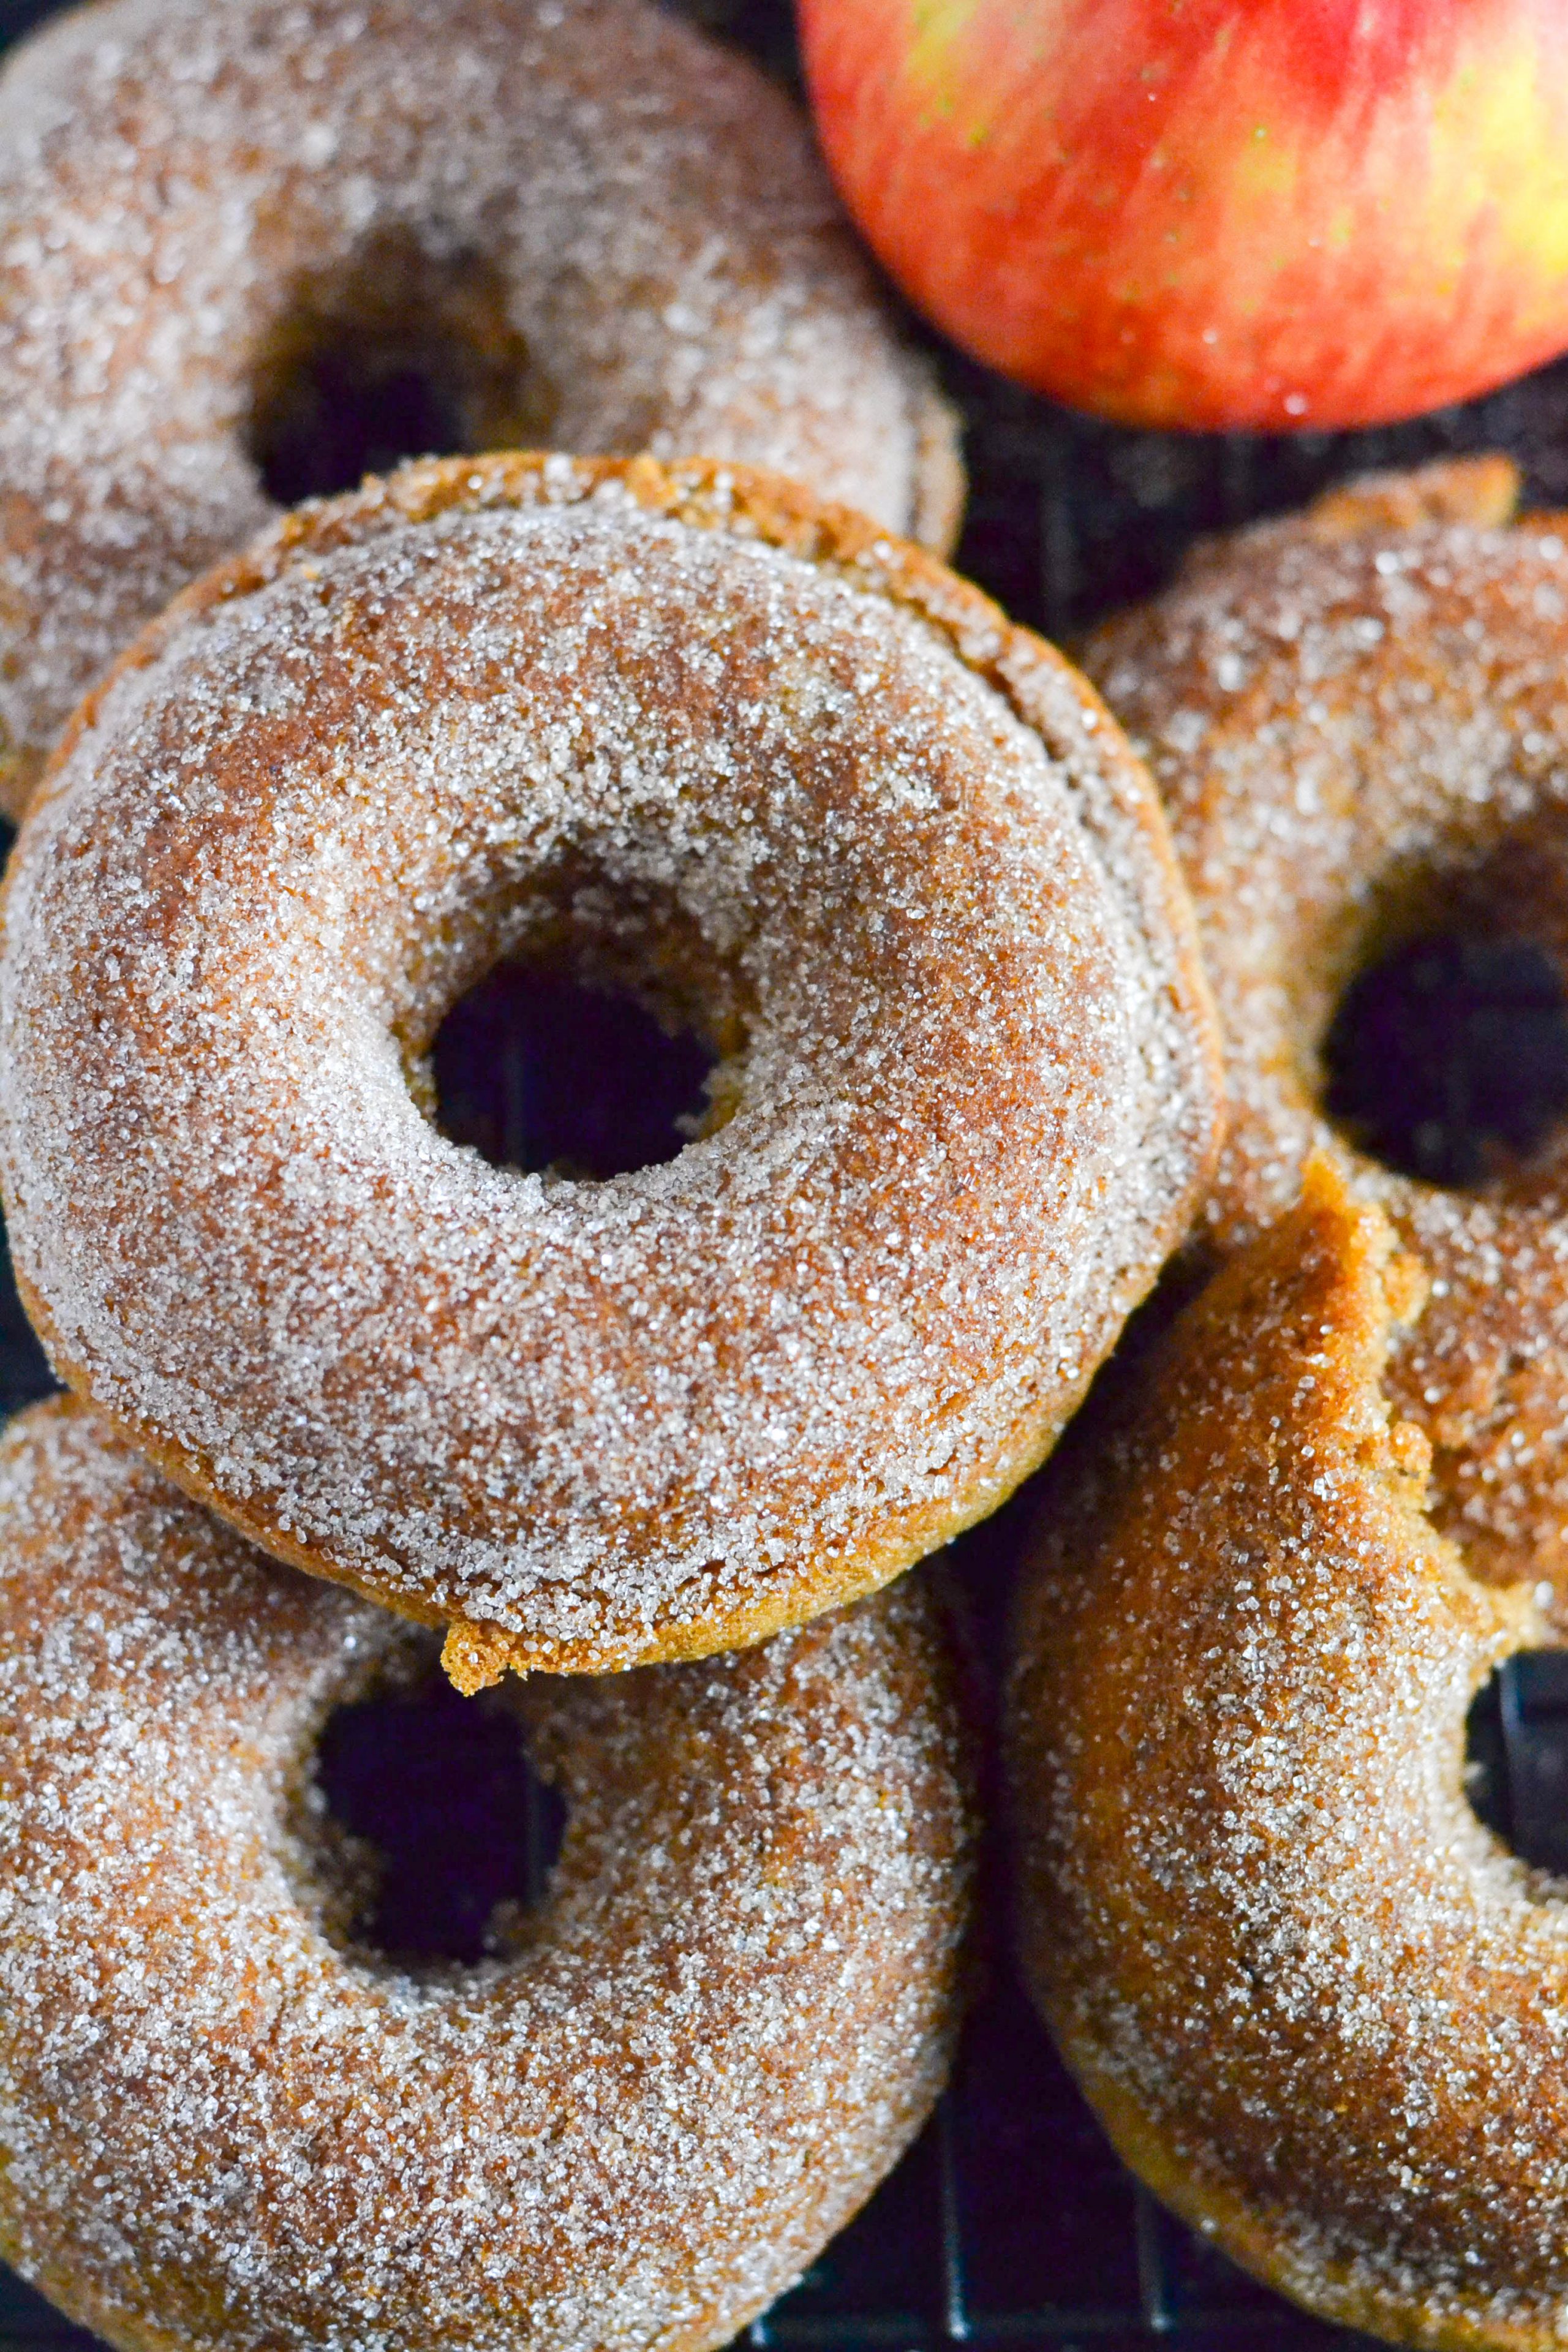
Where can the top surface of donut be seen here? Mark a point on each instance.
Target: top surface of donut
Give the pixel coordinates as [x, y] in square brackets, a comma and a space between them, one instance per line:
[621, 230]
[1360, 730]
[221, 2127]
[797, 780]
[1346, 718]
[1322, 2009]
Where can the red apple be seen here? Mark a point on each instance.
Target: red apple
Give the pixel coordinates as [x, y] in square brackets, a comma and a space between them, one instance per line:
[1214, 213]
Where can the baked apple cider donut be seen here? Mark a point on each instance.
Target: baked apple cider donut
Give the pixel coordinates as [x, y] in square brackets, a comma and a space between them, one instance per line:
[241, 243]
[224, 2127]
[679, 728]
[1317, 2006]
[1358, 722]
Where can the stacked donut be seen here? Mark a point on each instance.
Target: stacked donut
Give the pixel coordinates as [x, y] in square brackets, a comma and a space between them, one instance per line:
[1318, 2005]
[667, 723]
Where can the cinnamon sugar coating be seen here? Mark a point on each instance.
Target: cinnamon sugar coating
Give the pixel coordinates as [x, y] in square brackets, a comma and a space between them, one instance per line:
[1358, 719]
[1318, 2008]
[685, 729]
[601, 230]
[222, 2127]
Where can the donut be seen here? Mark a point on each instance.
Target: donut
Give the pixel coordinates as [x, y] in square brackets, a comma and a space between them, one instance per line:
[223, 2126]
[1320, 2008]
[1357, 720]
[676, 727]
[570, 223]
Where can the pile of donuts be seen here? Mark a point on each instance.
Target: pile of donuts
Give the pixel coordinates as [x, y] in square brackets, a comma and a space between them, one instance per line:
[1017, 1009]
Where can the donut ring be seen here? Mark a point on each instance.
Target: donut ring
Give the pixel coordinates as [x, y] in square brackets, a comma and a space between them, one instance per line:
[1357, 720]
[1318, 2007]
[802, 787]
[595, 228]
[733, 2009]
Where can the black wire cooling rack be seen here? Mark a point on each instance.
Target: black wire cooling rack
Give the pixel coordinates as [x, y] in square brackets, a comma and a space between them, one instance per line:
[1010, 2223]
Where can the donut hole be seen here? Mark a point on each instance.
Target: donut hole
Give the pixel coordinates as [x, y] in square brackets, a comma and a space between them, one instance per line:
[538, 1070]
[1447, 1059]
[400, 354]
[1443, 1048]
[437, 1838]
[1516, 1768]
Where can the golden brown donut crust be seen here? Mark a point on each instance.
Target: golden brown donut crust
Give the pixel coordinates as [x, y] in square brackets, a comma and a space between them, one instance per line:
[1318, 2008]
[1358, 722]
[597, 228]
[225, 2130]
[792, 778]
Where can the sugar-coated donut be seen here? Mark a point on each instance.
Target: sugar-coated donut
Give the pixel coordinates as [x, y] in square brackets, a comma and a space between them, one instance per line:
[1358, 722]
[795, 781]
[597, 228]
[222, 2128]
[1318, 2008]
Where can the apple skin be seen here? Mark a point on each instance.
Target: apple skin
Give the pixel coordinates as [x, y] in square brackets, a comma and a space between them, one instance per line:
[1213, 214]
